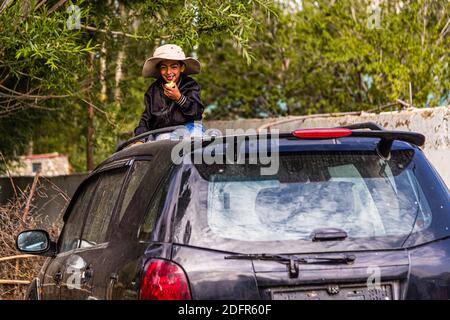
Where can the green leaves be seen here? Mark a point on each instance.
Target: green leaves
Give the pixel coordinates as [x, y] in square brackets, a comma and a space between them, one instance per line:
[40, 63]
[259, 58]
[319, 57]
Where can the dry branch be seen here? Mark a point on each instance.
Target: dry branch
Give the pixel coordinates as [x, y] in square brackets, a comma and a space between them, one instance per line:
[20, 256]
[26, 96]
[17, 270]
[30, 197]
[56, 6]
[2, 281]
[5, 5]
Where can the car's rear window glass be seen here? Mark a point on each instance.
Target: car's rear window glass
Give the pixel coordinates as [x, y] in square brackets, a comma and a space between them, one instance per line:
[357, 192]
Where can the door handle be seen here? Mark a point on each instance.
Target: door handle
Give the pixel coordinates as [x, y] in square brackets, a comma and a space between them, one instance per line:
[57, 276]
[87, 274]
[113, 279]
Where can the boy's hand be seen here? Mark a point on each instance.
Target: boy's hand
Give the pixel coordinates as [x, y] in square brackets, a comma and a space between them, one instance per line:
[172, 93]
[135, 143]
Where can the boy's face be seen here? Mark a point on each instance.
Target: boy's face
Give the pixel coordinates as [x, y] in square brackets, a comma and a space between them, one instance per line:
[171, 70]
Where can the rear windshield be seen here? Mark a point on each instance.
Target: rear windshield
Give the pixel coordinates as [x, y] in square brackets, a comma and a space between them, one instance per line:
[234, 207]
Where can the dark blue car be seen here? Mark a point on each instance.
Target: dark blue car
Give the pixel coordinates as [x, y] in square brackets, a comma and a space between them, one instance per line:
[344, 213]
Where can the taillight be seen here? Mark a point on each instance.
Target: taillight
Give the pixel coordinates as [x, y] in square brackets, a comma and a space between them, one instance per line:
[329, 133]
[164, 280]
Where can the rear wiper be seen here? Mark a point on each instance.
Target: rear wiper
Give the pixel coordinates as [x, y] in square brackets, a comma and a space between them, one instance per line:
[345, 258]
[293, 261]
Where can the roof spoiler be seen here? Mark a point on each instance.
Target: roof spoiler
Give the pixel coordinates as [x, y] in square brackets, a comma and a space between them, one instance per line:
[387, 137]
[383, 148]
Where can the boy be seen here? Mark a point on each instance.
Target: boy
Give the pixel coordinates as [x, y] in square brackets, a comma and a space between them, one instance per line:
[174, 98]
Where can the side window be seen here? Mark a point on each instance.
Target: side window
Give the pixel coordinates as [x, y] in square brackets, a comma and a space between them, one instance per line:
[137, 175]
[155, 207]
[102, 207]
[72, 228]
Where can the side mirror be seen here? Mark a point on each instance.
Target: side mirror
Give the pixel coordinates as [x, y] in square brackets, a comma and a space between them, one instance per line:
[35, 242]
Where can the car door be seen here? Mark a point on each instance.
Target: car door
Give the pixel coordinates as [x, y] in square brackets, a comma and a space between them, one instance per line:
[120, 260]
[86, 262]
[68, 240]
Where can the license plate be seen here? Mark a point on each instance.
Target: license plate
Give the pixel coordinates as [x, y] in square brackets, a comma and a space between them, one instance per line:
[334, 292]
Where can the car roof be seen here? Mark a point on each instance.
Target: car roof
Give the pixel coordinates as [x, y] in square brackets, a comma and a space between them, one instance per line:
[287, 143]
[161, 149]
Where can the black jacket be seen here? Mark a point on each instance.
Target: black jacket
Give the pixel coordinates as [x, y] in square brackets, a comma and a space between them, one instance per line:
[160, 111]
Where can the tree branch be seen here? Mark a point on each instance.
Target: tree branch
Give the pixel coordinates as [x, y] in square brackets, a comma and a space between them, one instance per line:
[444, 31]
[21, 106]
[11, 109]
[5, 5]
[120, 33]
[101, 111]
[6, 281]
[40, 4]
[56, 6]
[30, 197]
[26, 96]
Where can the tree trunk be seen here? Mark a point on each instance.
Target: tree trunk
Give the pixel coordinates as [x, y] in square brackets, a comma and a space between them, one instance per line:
[90, 139]
[119, 61]
[103, 89]
[119, 74]
[90, 119]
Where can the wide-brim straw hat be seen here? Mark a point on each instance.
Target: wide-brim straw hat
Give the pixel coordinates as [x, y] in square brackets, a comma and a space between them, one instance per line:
[169, 52]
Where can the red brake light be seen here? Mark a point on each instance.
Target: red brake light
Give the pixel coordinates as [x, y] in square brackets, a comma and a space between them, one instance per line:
[164, 280]
[322, 133]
